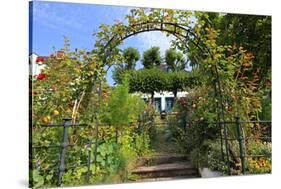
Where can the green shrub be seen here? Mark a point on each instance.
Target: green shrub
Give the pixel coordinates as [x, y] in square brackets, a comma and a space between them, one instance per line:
[122, 108]
[259, 148]
[142, 143]
[215, 162]
[257, 165]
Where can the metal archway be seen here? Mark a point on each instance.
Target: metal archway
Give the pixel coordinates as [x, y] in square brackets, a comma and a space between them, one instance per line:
[176, 30]
[184, 34]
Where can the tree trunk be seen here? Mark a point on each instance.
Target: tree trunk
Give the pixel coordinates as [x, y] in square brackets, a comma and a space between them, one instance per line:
[234, 156]
[74, 116]
[76, 107]
[175, 96]
[152, 98]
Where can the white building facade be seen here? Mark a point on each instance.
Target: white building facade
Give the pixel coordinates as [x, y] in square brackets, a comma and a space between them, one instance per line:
[164, 101]
[35, 64]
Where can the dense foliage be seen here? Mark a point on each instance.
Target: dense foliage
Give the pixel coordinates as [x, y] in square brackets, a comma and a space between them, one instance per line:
[151, 58]
[130, 56]
[122, 108]
[175, 60]
[64, 89]
[118, 110]
[155, 80]
[147, 81]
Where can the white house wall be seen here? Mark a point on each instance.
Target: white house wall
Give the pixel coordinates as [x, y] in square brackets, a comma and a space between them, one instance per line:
[163, 96]
[34, 68]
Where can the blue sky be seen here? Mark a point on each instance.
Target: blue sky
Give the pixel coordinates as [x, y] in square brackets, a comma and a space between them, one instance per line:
[53, 20]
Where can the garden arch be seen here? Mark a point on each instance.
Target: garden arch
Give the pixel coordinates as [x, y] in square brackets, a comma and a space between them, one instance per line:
[111, 37]
[178, 24]
[174, 29]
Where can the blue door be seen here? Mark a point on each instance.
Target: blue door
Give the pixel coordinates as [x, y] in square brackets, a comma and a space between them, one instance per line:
[169, 104]
[157, 104]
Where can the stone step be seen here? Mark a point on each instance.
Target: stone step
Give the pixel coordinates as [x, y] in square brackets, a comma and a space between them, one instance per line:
[167, 178]
[163, 159]
[166, 170]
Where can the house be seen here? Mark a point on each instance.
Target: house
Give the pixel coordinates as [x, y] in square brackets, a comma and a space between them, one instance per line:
[36, 62]
[164, 101]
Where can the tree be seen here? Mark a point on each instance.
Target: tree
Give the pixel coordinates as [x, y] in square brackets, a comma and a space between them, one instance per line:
[151, 58]
[179, 80]
[175, 60]
[155, 80]
[117, 74]
[176, 82]
[148, 81]
[130, 56]
[253, 32]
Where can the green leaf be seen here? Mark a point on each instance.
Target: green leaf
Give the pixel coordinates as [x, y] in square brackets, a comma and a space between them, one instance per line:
[49, 177]
[99, 158]
[103, 163]
[110, 149]
[38, 180]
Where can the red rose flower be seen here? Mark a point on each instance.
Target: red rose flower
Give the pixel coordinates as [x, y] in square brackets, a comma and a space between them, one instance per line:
[41, 76]
[40, 59]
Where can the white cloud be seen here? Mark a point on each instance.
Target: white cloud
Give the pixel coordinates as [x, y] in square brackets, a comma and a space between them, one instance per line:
[57, 17]
[120, 13]
[155, 38]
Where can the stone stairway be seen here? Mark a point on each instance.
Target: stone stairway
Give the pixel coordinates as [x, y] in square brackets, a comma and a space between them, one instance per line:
[165, 167]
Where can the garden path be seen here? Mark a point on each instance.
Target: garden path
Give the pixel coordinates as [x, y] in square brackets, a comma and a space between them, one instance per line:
[166, 163]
